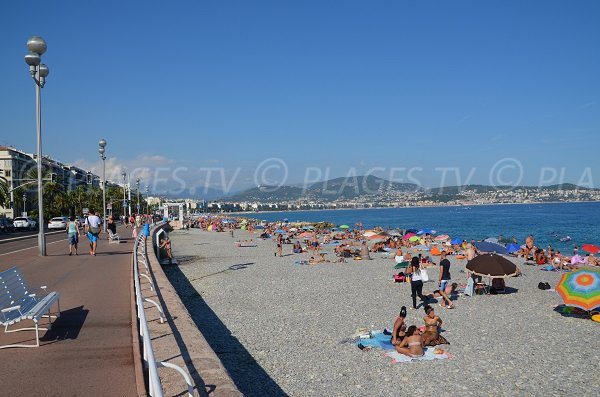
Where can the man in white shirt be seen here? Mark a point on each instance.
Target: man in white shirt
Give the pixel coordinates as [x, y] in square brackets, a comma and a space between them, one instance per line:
[92, 227]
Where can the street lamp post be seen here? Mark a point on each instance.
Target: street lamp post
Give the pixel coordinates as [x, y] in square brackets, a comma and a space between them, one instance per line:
[37, 46]
[137, 184]
[24, 203]
[101, 150]
[147, 204]
[123, 174]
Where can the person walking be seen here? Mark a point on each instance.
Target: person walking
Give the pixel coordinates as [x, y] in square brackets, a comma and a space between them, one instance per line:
[72, 234]
[92, 228]
[279, 245]
[416, 281]
[444, 278]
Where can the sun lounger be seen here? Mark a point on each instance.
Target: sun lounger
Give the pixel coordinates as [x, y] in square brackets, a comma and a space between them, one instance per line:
[19, 303]
[112, 237]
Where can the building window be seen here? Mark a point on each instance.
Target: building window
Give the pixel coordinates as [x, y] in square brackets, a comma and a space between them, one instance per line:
[7, 173]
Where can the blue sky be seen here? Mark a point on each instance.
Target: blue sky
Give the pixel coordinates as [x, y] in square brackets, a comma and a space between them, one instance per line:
[332, 88]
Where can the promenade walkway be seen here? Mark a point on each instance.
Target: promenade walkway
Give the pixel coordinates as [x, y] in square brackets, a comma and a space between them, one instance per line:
[89, 350]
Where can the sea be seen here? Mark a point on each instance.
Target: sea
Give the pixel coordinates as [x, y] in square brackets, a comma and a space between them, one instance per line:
[547, 222]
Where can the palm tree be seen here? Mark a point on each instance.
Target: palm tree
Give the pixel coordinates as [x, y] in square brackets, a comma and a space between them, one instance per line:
[78, 198]
[4, 193]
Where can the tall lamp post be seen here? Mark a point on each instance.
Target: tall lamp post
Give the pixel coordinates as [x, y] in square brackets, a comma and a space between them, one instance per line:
[123, 174]
[137, 184]
[101, 150]
[37, 46]
[147, 204]
[24, 203]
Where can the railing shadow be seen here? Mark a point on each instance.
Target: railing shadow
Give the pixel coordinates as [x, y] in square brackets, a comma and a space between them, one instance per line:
[67, 326]
[249, 377]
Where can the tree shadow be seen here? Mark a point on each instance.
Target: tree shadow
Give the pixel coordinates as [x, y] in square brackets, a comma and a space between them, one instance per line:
[249, 377]
[67, 326]
[239, 266]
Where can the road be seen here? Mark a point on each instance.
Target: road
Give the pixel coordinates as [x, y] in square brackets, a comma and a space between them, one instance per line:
[16, 243]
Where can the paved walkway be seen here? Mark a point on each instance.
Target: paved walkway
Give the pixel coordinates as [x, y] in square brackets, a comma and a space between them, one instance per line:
[89, 350]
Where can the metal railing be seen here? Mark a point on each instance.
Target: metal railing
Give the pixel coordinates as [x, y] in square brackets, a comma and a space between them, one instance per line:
[140, 255]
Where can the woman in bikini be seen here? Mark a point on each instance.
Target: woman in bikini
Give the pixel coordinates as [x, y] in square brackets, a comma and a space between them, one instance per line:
[431, 336]
[412, 344]
[399, 330]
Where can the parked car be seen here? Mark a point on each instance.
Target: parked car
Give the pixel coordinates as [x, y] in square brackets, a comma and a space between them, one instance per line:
[6, 225]
[25, 223]
[59, 222]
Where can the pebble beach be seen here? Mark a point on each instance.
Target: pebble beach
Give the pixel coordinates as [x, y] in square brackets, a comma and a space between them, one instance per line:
[281, 328]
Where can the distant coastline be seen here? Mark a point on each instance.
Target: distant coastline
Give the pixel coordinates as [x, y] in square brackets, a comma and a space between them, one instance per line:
[415, 206]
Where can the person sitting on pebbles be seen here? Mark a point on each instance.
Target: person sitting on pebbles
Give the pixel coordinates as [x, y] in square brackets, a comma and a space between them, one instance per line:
[431, 336]
[399, 330]
[412, 344]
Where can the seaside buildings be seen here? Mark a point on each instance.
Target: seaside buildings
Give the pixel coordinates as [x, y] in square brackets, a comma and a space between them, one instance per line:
[461, 197]
[16, 168]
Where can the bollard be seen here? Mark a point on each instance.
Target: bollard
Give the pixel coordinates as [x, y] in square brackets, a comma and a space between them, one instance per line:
[146, 230]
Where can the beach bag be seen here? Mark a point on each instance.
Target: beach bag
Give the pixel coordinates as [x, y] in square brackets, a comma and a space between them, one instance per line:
[400, 277]
[424, 275]
[95, 230]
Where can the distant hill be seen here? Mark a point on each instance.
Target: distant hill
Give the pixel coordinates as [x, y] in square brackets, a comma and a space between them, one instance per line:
[334, 189]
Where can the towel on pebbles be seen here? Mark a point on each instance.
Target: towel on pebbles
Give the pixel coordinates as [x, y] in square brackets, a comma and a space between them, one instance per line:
[378, 340]
[429, 355]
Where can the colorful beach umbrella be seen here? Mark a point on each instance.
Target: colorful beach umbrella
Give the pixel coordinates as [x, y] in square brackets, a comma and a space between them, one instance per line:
[395, 232]
[369, 233]
[279, 231]
[580, 288]
[442, 237]
[510, 248]
[408, 235]
[491, 265]
[484, 246]
[306, 234]
[426, 231]
[592, 249]
[344, 227]
[259, 227]
[456, 241]
[414, 238]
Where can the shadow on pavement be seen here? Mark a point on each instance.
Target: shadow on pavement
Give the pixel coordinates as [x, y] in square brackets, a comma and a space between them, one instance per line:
[249, 377]
[67, 326]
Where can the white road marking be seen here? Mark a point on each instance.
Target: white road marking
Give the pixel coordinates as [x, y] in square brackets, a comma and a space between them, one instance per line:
[25, 249]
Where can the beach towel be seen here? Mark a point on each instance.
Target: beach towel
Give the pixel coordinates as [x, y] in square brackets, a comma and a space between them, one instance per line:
[469, 290]
[378, 340]
[549, 268]
[402, 265]
[428, 356]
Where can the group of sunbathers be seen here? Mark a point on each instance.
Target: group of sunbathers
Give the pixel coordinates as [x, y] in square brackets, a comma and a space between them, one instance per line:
[412, 340]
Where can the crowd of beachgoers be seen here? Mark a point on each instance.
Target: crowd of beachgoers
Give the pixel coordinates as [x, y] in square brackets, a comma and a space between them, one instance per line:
[413, 250]
[357, 243]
